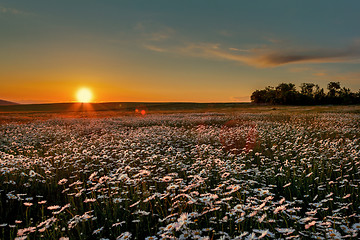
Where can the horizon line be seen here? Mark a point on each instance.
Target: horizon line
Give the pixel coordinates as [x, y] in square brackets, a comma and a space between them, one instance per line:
[76, 102]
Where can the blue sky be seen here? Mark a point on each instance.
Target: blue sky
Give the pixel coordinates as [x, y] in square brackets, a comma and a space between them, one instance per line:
[204, 51]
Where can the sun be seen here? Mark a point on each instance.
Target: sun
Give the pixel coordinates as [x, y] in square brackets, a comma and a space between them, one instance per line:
[84, 95]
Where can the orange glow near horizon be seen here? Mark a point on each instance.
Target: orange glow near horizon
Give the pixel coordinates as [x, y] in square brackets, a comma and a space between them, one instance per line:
[84, 95]
[64, 89]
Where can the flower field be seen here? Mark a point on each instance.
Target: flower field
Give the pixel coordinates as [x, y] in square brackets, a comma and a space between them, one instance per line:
[182, 176]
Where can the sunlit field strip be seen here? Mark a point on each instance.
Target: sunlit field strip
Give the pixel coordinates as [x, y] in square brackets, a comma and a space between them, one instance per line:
[182, 176]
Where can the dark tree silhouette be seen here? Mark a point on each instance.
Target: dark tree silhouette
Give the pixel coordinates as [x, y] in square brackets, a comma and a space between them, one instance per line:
[333, 88]
[307, 89]
[310, 94]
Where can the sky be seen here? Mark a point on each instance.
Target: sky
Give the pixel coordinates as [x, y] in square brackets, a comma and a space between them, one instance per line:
[166, 51]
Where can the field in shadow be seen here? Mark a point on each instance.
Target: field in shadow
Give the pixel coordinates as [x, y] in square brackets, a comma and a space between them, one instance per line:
[29, 112]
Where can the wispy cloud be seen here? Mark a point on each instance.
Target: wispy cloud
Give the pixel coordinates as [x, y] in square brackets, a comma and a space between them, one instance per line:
[154, 31]
[320, 74]
[265, 56]
[280, 57]
[154, 48]
[238, 50]
[13, 11]
[212, 50]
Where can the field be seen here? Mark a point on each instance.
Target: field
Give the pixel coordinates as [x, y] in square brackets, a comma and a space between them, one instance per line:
[179, 172]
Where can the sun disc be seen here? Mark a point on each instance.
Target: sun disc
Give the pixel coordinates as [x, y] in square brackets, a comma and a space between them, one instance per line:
[84, 95]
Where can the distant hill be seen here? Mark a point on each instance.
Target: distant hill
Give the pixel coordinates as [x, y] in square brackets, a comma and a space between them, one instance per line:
[3, 102]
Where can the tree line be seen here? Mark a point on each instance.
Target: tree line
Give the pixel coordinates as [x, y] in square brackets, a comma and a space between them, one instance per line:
[309, 94]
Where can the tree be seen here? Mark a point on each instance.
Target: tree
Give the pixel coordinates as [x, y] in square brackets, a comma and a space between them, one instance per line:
[259, 96]
[270, 96]
[319, 95]
[286, 93]
[306, 96]
[307, 88]
[267, 95]
[333, 88]
[346, 96]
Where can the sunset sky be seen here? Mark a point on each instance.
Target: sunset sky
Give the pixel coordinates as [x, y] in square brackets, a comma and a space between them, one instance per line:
[200, 50]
